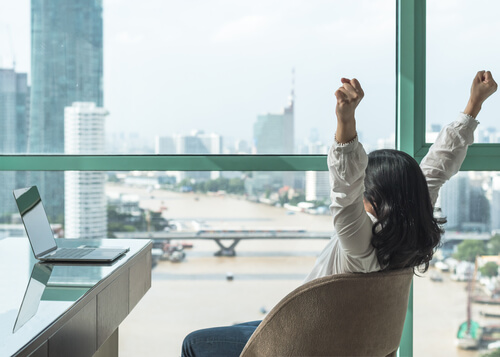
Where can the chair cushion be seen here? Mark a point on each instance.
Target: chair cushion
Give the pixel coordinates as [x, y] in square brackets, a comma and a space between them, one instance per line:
[339, 315]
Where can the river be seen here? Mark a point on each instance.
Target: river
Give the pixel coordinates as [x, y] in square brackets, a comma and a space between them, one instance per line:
[195, 293]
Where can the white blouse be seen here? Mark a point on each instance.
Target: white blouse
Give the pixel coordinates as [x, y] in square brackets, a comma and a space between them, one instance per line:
[350, 250]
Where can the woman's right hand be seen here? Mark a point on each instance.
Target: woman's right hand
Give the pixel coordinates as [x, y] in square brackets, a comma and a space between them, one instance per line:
[348, 97]
[483, 86]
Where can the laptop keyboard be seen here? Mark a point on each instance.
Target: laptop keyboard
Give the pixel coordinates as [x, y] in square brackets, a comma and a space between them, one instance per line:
[70, 253]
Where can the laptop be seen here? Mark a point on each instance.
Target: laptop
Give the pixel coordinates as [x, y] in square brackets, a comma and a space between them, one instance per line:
[42, 238]
[36, 286]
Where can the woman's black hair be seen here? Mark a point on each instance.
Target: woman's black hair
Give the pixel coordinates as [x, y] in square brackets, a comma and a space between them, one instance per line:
[406, 232]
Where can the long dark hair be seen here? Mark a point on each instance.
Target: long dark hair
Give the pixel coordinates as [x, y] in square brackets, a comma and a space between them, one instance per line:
[406, 232]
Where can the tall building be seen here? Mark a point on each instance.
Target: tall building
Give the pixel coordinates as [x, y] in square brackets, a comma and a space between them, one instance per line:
[196, 143]
[85, 198]
[464, 203]
[455, 201]
[317, 186]
[317, 182]
[66, 67]
[14, 115]
[274, 134]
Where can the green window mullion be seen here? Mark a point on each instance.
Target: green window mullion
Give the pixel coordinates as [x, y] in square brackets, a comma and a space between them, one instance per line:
[410, 104]
[480, 157]
[410, 75]
[163, 163]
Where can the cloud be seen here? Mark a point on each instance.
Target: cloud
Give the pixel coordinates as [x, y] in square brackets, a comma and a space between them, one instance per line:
[245, 28]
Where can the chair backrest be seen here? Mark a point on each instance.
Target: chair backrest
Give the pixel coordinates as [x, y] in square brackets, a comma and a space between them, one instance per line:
[339, 315]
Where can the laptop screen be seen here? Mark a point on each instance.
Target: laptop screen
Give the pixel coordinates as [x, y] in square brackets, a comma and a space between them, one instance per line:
[35, 220]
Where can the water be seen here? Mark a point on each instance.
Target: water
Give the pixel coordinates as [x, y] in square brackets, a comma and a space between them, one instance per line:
[195, 293]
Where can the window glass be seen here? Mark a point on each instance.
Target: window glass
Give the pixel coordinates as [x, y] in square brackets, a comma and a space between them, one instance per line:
[470, 203]
[460, 42]
[163, 77]
[278, 223]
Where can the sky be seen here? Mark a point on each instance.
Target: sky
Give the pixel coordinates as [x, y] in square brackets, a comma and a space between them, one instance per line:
[176, 66]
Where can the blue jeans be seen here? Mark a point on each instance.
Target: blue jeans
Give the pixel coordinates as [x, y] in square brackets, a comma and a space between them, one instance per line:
[227, 341]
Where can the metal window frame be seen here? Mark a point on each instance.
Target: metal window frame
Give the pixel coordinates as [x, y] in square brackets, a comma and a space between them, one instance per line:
[410, 112]
[163, 163]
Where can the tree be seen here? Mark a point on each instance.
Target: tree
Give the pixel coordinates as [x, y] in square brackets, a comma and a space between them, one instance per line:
[494, 245]
[300, 197]
[489, 269]
[468, 250]
[237, 186]
[494, 353]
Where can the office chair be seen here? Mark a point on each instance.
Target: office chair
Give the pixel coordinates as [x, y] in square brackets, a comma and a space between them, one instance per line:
[340, 315]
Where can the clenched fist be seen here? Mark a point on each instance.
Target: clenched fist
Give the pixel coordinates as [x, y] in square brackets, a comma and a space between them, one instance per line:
[348, 97]
[482, 87]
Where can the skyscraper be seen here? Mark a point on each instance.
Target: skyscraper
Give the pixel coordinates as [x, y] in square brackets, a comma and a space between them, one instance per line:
[317, 182]
[317, 186]
[455, 201]
[197, 142]
[66, 67]
[274, 134]
[85, 198]
[14, 114]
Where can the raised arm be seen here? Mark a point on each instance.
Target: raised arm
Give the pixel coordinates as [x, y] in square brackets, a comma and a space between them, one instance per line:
[347, 162]
[448, 152]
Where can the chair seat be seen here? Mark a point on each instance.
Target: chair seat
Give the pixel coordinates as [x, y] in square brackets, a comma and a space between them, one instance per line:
[340, 315]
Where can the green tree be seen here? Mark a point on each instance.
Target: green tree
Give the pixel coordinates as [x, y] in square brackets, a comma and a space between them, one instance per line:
[158, 223]
[489, 269]
[119, 227]
[236, 186]
[495, 353]
[468, 250]
[300, 197]
[212, 186]
[283, 199]
[494, 245]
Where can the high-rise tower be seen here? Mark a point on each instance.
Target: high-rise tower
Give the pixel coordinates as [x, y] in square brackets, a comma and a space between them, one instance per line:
[197, 142]
[14, 114]
[66, 67]
[85, 199]
[273, 133]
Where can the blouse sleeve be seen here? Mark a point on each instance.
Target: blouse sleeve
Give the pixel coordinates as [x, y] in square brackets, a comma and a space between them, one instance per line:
[448, 152]
[347, 164]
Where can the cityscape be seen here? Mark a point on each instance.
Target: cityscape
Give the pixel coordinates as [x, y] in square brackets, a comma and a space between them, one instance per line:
[59, 108]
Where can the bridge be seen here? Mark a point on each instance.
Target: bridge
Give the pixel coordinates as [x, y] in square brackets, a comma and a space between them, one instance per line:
[235, 236]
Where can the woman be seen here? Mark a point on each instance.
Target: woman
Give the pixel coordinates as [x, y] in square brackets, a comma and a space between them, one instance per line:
[382, 205]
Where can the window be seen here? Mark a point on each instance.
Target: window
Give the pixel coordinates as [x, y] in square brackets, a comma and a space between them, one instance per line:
[452, 61]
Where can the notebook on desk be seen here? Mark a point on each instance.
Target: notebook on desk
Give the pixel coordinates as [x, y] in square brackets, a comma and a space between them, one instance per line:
[42, 239]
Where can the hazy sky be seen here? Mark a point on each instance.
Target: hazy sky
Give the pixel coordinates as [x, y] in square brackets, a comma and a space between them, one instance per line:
[174, 66]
